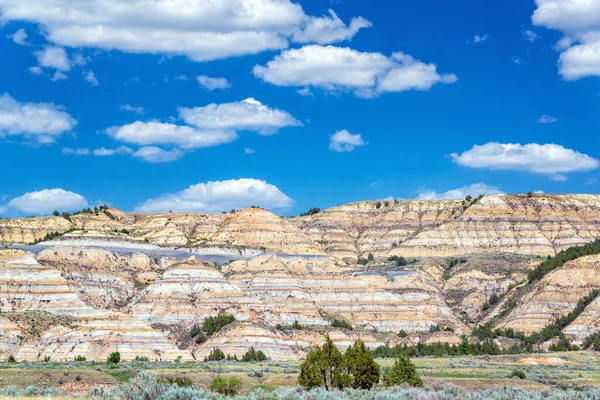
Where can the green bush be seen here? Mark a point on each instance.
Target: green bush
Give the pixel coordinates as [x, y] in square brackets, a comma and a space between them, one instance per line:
[226, 387]
[517, 373]
[403, 371]
[402, 333]
[254, 356]
[11, 359]
[114, 358]
[340, 323]
[141, 359]
[181, 381]
[562, 258]
[215, 324]
[326, 367]
[80, 358]
[215, 355]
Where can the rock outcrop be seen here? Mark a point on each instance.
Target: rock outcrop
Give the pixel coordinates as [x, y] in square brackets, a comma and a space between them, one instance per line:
[555, 295]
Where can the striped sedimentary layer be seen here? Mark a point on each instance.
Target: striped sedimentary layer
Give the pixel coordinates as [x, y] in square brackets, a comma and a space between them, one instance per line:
[555, 295]
[27, 287]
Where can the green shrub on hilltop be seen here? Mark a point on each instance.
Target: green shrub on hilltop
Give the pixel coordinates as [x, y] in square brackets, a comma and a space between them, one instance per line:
[215, 324]
[562, 258]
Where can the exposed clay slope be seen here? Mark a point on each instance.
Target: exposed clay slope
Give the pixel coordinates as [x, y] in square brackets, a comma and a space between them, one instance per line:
[385, 302]
[26, 287]
[541, 225]
[102, 279]
[190, 291]
[554, 295]
[587, 323]
[278, 345]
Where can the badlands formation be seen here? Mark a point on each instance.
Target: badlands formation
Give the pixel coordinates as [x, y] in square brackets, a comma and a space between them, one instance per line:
[136, 283]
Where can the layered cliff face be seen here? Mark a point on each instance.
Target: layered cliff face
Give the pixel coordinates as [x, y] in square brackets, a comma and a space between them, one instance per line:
[43, 318]
[102, 279]
[190, 291]
[306, 288]
[106, 286]
[555, 295]
[540, 225]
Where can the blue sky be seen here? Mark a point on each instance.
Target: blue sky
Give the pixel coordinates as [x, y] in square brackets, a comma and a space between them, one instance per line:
[295, 107]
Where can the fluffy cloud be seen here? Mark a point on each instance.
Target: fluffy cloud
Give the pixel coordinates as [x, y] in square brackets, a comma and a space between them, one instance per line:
[329, 29]
[54, 57]
[211, 84]
[45, 202]
[460, 193]
[219, 196]
[20, 37]
[201, 30]
[338, 68]
[42, 122]
[548, 159]
[130, 108]
[249, 151]
[530, 36]
[208, 126]
[119, 151]
[36, 70]
[344, 141]
[249, 114]
[59, 76]
[77, 152]
[480, 38]
[547, 119]
[579, 21]
[154, 154]
[90, 77]
[154, 132]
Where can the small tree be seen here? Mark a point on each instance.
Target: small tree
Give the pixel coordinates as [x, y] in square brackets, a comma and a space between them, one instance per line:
[56, 213]
[253, 355]
[114, 358]
[370, 257]
[403, 371]
[226, 387]
[402, 333]
[215, 355]
[323, 367]
[360, 367]
[530, 194]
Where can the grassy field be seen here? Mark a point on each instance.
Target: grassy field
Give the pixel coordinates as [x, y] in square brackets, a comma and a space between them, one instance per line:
[580, 370]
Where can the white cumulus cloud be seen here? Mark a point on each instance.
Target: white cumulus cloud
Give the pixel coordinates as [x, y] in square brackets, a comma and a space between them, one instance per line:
[200, 30]
[344, 141]
[211, 84]
[119, 151]
[133, 109]
[473, 190]
[42, 122]
[154, 154]
[77, 152]
[20, 37]
[219, 196]
[342, 68]
[480, 38]
[329, 29]
[249, 114]
[579, 22]
[547, 119]
[45, 202]
[154, 132]
[54, 57]
[548, 159]
[90, 77]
